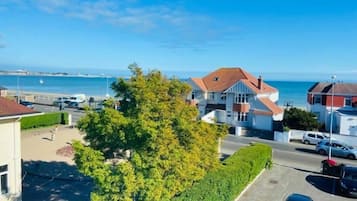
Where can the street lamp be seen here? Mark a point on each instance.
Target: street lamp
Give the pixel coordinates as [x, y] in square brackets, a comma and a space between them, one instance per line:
[18, 89]
[331, 113]
[107, 94]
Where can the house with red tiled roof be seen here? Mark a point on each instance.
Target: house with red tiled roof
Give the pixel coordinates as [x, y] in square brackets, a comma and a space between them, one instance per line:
[10, 148]
[342, 98]
[237, 98]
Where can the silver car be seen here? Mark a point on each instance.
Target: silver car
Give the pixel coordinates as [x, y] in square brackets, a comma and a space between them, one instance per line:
[312, 137]
[337, 149]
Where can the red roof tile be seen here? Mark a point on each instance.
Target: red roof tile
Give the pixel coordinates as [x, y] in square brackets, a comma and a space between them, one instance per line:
[199, 83]
[223, 78]
[11, 108]
[271, 106]
[339, 88]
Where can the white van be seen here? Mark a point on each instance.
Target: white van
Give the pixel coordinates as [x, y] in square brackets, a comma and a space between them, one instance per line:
[77, 98]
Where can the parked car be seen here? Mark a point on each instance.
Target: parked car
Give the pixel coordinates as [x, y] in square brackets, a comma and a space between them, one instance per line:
[298, 197]
[61, 100]
[337, 149]
[27, 104]
[73, 105]
[312, 137]
[348, 181]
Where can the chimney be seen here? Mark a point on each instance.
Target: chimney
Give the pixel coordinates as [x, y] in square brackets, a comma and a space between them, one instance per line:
[260, 82]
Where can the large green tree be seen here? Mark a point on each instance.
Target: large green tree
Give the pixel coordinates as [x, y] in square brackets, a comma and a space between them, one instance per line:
[162, 147]
[300, 119]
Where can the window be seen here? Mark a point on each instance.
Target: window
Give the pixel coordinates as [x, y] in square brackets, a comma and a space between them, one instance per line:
[211, 95]
[3, 180]
[317, 99]
[348, 101]
[311, 135]
[241, 98]
[242, 116]
[223, 96]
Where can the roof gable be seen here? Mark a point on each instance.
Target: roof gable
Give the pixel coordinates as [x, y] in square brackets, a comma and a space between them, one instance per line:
[224, 78]
[199, 83]
[11, 108]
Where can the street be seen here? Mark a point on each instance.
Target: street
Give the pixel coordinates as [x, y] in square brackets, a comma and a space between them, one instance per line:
[296, 169]
[76, 114]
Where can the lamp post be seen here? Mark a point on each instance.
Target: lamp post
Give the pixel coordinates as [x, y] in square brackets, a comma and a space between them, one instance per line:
[18, 89]
[331, 113]
[107, 94]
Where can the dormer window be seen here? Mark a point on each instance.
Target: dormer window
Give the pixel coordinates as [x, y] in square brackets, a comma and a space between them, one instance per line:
[216, 78]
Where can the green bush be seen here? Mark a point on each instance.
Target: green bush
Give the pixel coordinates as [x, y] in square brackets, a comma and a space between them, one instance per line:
[226, 183]
[44, 120]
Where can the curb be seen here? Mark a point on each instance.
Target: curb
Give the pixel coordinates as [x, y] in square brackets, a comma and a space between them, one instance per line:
[250, 184]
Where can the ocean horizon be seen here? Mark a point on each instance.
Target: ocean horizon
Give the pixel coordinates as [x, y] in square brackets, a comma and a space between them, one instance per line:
[290, 92]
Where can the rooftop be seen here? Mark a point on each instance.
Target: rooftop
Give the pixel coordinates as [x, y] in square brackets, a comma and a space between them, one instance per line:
[339, 88]
[10, 108]
[223, 78]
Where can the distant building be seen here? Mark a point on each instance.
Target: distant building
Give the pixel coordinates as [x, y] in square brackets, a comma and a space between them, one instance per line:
[10, 148]
[235, 97]
[319, 98]
[3, 91]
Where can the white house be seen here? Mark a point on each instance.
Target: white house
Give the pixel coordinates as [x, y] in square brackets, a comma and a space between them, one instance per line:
[236, 98]
[10, 148]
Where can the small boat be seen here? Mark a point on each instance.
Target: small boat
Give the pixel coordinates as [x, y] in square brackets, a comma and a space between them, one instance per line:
[41, 81]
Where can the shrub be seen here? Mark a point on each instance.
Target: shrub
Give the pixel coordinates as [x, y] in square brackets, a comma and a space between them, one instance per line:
[296, 118]
[236, 172]
[44, 120]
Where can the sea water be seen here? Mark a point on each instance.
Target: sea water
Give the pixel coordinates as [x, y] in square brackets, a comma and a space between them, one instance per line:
[291, 93]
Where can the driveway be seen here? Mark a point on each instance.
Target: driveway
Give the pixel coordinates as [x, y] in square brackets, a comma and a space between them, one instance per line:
[279, 182]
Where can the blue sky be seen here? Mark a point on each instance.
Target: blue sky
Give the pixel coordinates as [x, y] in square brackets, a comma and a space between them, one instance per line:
[278, 39]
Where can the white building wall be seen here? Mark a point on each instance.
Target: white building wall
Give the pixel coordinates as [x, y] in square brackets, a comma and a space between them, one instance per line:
[10, 154]
[347, 124]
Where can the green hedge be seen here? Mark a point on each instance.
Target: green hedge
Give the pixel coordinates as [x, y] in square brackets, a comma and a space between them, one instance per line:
[237, 171]
[44, 120]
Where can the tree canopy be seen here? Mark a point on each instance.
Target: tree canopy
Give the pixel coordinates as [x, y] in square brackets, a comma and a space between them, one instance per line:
[153, 148]
[296, 118]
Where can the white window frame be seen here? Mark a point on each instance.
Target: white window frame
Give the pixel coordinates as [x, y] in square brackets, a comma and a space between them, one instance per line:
[4, 172]
[348, 99]
[317, 97]
[241, 98]
[242, 116]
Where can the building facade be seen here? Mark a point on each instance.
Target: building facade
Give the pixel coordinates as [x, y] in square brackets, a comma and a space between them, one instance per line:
[344, 106]
[235, 97]
[10, 148]
[3, 91]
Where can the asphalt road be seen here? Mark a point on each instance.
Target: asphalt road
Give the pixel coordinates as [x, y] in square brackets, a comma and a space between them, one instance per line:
[295, 155]
[76, 114]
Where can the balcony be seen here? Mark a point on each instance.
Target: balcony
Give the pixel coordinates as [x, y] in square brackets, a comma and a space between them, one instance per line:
[241, 107]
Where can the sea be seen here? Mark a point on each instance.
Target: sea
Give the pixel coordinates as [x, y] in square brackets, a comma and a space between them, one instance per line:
[291, 93]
